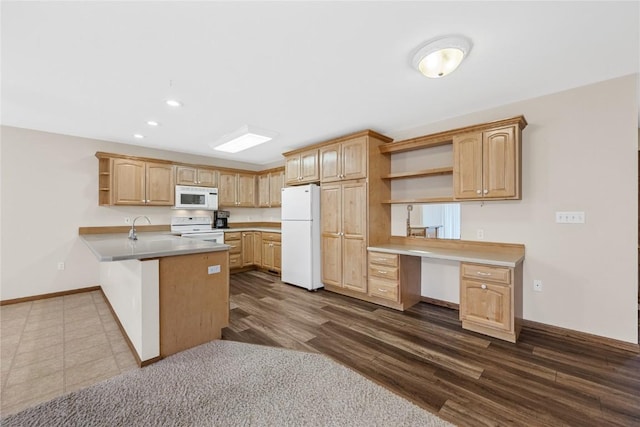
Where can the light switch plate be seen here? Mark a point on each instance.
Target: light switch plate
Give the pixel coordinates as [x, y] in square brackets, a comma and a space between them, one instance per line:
[570, 217]
[213, 269]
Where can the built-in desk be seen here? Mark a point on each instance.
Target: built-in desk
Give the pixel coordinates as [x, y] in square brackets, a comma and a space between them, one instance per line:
[490, 280]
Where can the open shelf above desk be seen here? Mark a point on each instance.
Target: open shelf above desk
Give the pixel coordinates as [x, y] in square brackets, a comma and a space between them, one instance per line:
[416, 174]
[420, 200]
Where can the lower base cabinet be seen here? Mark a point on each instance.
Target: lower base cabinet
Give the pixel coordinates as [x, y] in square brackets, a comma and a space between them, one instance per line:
[394, 280]
[254, 249]
[491, 300]
[272, 252]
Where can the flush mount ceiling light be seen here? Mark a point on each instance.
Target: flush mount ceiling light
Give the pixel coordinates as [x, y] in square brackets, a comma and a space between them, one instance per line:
[138, 136]
[242, 139]
[173, 103]
[153, 123]
[439, 57]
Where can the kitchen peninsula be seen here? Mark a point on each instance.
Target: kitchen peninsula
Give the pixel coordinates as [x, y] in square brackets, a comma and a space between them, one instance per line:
[168, 293]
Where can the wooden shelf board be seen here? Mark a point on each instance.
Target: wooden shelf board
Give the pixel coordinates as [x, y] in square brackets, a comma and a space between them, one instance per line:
[422, 200]
[416, 174]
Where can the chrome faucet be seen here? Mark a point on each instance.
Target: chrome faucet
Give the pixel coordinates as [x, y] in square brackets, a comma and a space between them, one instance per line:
[132, 233]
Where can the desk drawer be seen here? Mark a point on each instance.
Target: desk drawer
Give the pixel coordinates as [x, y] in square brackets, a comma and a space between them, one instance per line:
[382, 258]
[486, 272]
[383, 271]
[383, 288]
[235, 260]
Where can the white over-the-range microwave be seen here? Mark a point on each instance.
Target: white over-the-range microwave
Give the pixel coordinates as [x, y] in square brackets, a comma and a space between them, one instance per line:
[196, 198]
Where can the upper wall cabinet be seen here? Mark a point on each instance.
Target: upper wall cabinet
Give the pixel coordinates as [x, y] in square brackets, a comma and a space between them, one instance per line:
[487, 164]
[344, 160]
[188, 175]
[133, 181]
[302, 167]
[270, 189]
[237, 190]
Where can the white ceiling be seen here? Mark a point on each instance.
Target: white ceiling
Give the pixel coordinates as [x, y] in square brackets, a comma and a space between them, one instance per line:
[307, 70]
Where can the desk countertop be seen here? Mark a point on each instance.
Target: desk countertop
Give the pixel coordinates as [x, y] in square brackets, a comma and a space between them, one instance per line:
[464, 255]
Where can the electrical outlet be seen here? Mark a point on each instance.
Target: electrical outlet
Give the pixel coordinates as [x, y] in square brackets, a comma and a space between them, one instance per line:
[480, 234]
[127, 220]
[213, 269]
[61, 265]
[537, 285]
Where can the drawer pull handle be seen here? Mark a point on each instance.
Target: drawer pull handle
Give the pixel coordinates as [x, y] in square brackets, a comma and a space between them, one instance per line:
[382, 272]
[483, 286]
[383, 290]
[481, 273]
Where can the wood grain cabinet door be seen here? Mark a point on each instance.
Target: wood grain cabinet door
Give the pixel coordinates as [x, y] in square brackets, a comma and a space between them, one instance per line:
[277, 256]
[128, 182]
[330, 163]
[467, 166]
[276, 183]
[331, 233]
[257, 248]
[264, 188]
[186, 175]
[499, 163]
[292, 169]
[354, 251]
[354, 158]
[160, 187]
[227, 189]
[207, 177]
[486, 304]
[247, 248]
[246, 190]
[309, 166]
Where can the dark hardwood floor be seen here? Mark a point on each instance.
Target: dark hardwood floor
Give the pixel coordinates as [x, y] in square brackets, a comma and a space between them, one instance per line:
[424, 355]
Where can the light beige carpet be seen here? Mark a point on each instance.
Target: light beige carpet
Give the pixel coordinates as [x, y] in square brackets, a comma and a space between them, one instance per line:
[225, 383]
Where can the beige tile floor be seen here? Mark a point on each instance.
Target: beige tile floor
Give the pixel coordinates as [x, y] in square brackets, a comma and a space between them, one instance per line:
[57, 345]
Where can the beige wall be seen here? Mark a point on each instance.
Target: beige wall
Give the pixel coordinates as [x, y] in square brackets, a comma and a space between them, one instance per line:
[48, 189]
[579, 154]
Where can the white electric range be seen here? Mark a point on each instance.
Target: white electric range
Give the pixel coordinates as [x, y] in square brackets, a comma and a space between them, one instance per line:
[196, 227]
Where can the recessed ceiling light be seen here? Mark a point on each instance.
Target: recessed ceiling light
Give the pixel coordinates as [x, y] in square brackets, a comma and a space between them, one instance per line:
[138, 136]
[153, 123]
[173, 103]
[242, 139]
[441, 56]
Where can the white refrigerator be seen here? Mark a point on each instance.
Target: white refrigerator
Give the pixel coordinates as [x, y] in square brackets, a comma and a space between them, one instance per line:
[301, 236]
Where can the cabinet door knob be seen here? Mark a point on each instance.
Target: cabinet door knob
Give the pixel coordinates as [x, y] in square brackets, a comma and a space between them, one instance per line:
[483, 286]
[478, 192]
[486, 191]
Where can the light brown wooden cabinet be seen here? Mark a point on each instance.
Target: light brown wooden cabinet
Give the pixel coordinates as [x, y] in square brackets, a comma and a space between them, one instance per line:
[394, 280]
[491, 300]
[271, 252]
[248, 248]
[344, 160]
[344, 235]
[188, 175]
[236, 189]
[194, 305]
[302, 167]
[270, 189]
[487, 164]
[136, 182]
[234, 240]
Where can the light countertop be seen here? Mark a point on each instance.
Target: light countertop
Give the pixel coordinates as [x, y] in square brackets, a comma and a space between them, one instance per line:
[265, 229]
[117, 246]
[463, 255]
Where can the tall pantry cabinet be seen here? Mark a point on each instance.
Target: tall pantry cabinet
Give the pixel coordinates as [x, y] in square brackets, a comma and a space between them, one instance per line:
[352, 215]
